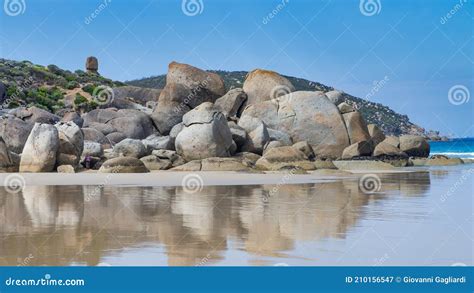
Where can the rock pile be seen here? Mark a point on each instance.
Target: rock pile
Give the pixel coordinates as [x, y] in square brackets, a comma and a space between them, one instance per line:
[197, 125]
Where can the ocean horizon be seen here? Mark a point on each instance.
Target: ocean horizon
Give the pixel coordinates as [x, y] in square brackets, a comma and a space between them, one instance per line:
[457, 147]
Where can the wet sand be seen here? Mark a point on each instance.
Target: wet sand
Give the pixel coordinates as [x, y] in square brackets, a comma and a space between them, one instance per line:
[420, 218]
[170, 178]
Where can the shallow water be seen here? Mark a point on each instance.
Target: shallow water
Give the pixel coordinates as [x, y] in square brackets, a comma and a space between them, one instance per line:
[415, 219]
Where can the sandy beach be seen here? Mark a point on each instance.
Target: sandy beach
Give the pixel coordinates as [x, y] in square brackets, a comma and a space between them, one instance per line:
[211, 178]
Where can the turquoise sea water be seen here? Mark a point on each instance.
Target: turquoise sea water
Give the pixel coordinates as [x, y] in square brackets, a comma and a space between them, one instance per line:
[459, 148]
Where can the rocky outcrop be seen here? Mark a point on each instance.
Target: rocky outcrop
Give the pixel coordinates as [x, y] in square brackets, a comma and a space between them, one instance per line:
[225, 164]
[285, 157]
[66, 169]
[39, 153]
[131, 148]
[71, 143]
[216, 164]
[92, 65]
[95, 135]
[132, 123]
[358, 149]
[35, 115]
[256, 140]
[345, 108]
[205, 134]
[376, 134]
[139, 95]
[172, 106]
[305, 148]
[175, 131]
[305, 116]
[356, 127]
[105, 129]
[272, 144]
[7, 164]
[387, 149]
[246, 156]
[172, 156]
[239, 135]
[194, 78]
[336, 97]
[414, 146]
[186, 88]
[283, 137]
[115, 137]
[264, 85]
[92, 149]
[443, 161]
[123, 165]
[166, 154]
[393, 140]
[14, 132]
[363, 166]
[74, 117]
[231, 104]
[157, 142]
[153, 163]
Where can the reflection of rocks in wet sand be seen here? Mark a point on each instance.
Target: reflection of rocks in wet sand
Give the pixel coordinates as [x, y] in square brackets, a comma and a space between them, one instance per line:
[47, 209]
[63, 225]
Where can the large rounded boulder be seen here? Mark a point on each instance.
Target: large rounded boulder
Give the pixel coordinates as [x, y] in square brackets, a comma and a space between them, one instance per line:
[376, 134]
[195, 78]
[186, 88]
[139, 95]
[336, 97]
[171, 107]
[39, 154]
[35, 115]
[263, 85]
[205, 134]
[356, 127]
[7, 163]
[74, 117]
[414, 146]
[231, 103]
[123, 165]
[14, 132]
[305, 116]
[71, 143]
[132, 123]
[131, 148]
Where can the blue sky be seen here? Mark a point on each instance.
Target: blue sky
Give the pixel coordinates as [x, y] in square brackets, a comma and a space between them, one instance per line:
[408, 43]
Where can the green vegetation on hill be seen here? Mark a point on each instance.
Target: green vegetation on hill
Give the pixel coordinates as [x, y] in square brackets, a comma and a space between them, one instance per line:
[388, 120]
[28, 84]
[47, 87]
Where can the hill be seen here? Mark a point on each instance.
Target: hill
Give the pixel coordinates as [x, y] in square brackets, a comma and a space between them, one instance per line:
[388, 120]
[54, 89]
[47, 87]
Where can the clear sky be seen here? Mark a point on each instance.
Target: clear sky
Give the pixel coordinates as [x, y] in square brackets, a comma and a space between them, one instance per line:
[421, 48]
